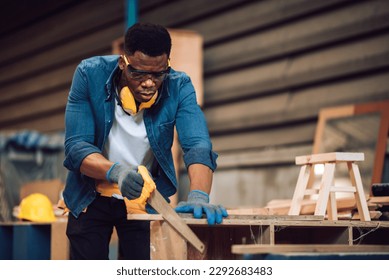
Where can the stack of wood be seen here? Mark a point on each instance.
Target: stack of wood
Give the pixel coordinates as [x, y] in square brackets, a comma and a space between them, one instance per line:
[347, 208]
[380, 199]
[380, 204]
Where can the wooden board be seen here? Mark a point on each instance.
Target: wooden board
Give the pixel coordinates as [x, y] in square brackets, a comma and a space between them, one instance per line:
[329, 157]
[165, 243]
[310, 248]
[157, 201]
[382, 200]
[231, 219]
[59, 242]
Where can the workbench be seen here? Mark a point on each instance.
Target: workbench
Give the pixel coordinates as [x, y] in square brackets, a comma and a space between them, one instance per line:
[26, 240]
[237, 230]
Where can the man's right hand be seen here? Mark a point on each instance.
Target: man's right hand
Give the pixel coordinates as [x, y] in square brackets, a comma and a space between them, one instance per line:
[130, 182]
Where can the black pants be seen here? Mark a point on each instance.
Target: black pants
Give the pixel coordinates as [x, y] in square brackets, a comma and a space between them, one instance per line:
[90, 233]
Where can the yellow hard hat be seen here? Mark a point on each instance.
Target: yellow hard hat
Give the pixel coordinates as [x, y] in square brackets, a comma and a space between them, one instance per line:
[36, 207]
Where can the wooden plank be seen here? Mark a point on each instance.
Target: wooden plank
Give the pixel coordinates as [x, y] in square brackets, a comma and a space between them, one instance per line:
[233, 217]
[308, 248]
[332, 210]
[271, 232]
[327, 179]
[303, 34]
[382, 145]
[165, 242]
[281, 207]
[343, 189]
[360, 198]
[299, 191]
[329, 157]
[311, 222]
[311, 191]
[384, 200]
[374, 215]
[157, 201]
[59, 242]
[247, 211]
[301, 104]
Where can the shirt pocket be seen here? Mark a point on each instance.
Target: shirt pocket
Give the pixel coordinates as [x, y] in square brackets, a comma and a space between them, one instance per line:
[166, 131]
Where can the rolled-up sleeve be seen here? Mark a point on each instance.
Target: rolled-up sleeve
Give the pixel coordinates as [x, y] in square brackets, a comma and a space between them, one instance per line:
[79, 123]
[192, 129]
[77, 153]
[202, 156]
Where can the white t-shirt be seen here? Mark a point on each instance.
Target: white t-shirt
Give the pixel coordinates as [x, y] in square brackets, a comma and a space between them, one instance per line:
[127, 141]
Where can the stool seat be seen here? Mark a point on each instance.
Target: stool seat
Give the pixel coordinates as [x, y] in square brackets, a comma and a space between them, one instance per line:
[326, 201]
[329, 157]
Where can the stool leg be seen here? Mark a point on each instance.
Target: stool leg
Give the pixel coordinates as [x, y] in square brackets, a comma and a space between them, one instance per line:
[325, 187]
[301, 185]
[360, 198]
[332, 209]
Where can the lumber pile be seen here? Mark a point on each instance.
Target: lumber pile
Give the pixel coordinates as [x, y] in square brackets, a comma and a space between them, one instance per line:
[347, 208]
[380, 204]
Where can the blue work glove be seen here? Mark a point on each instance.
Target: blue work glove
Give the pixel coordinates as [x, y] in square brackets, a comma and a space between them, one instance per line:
[130, 182]
[198, 203]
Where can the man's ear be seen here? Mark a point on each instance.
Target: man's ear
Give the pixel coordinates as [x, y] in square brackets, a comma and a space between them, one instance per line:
[122, 64]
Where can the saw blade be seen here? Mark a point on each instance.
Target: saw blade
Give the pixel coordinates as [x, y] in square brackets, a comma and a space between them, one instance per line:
[157, 201]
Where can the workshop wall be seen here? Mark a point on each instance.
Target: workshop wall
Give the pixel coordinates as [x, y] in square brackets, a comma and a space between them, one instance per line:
[269, 67]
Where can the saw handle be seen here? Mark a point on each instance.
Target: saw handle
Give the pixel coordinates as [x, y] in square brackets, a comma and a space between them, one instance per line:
[138, 205]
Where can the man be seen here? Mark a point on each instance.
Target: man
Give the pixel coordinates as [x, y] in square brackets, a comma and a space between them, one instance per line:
[121, 114]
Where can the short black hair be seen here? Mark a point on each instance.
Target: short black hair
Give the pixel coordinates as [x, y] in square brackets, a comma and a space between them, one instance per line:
[148, 38]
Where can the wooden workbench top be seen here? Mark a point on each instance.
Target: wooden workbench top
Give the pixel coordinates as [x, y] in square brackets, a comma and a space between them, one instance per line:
[281, 220]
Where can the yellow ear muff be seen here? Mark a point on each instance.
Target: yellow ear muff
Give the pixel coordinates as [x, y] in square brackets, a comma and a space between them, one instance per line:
[148, 104]
[128, 101]
[129, 104]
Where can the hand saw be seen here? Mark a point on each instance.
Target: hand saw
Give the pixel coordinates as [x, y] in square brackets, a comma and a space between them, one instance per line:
[159, 203]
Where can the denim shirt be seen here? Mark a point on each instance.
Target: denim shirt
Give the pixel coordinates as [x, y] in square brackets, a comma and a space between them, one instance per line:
[90, 113]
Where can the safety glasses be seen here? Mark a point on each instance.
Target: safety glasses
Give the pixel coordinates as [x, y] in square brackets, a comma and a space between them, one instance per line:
[140, 75]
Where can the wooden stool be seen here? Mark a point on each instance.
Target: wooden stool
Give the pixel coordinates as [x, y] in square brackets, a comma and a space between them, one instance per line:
[326, 192]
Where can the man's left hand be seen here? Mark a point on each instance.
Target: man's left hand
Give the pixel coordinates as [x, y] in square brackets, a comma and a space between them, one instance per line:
[198, 203]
